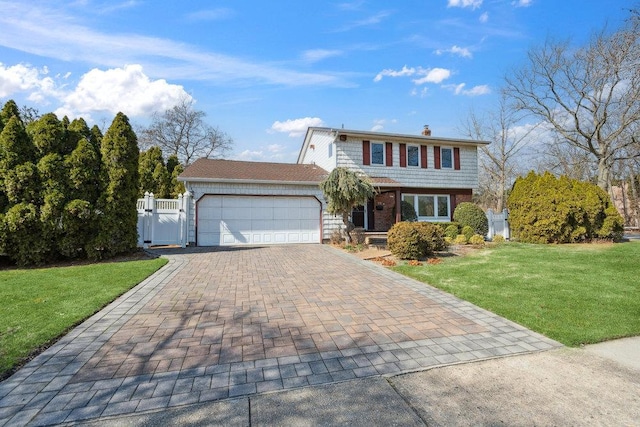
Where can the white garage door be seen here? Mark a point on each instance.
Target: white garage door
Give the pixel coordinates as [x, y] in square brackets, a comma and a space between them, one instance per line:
[241, 220]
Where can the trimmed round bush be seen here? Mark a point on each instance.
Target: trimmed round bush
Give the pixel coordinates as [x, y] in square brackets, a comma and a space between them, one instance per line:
[451, 231]
[467, 230]
[477, 240]
[415, 240]
[460, 239]
[498, 239]
[472, 215]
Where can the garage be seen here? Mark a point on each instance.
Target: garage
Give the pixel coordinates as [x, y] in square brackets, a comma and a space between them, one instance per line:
[226, 220]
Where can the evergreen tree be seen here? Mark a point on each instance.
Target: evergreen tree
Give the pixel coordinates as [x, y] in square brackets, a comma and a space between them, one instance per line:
[16, 184]
[84, 168]
[96, 137]
[77, 130]
[154, 177]
[53, 194]
[175, 169]
[118, 223]
[48, 135]
[10, 109]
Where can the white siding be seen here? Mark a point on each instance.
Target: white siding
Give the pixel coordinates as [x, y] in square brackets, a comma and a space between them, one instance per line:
[318, 150]
[349, 154]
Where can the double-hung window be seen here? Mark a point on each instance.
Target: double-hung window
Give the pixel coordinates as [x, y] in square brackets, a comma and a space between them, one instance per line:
[446, 156]
[413, 155]
[429, 207]
[377, 153]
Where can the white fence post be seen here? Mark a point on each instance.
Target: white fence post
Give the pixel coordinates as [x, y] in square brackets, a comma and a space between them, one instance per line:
[183, 203]
[507, 230]
[146, 220]
[492, 230]
[151, 209]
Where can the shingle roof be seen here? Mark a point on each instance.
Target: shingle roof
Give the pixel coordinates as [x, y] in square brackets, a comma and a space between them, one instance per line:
[233, 170]
[383, 180]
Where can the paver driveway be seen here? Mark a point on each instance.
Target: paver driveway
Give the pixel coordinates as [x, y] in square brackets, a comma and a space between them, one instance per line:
[222, 323]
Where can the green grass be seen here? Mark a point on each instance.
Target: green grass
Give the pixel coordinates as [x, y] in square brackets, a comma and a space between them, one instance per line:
[37, 306]
[575, 294]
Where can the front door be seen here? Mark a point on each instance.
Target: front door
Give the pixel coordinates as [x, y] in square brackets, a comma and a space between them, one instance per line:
[357, 216]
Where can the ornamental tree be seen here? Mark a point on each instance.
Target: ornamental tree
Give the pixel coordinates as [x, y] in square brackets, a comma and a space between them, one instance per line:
[344, 189]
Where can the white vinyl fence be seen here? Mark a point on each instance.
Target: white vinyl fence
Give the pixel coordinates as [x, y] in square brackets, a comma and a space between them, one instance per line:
[163, 221]
[498, 224]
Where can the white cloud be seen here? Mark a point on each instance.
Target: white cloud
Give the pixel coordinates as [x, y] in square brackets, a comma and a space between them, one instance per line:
[434, 75]
[427, 75]
[54, 33]
[405, 71]
[522, 3]
[484, 17]
[459, 89]
[217, 14]
[315, 55]
[370, 20]
[24, 78]
[421, 93]
[379, 124]
[456, 50]
[125, 89]
[473, 4]
[296, 127]
[275, 148]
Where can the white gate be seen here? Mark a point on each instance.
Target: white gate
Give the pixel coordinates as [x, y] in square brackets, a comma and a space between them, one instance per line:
[498, 224]
[163, 221]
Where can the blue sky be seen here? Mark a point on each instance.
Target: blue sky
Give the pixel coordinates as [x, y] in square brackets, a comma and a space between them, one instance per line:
[263, 71]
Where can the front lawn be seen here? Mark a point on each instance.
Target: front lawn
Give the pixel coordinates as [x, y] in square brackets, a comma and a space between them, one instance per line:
[37, 306]
[575, 294]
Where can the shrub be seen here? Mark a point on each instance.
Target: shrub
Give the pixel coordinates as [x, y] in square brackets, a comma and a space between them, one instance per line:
[477, 240]
[467, 231]
[460, 239]
[470, 214]
[414, 240]
[408, 212]
[498, 239]
[336, 237]
[613, 225]
[451, 231]
[546, 209]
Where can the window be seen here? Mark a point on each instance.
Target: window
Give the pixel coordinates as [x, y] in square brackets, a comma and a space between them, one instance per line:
[429, 207]
[413, 155]
[446, 157]
[377, 153]
[330, 150]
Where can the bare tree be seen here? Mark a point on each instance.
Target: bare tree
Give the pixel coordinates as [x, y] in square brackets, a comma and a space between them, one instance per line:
[499, 164]
[182, 131]
[589, 95]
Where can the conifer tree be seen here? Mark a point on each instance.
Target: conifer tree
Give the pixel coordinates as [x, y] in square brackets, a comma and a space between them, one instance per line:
[118, 223]
[48, 135]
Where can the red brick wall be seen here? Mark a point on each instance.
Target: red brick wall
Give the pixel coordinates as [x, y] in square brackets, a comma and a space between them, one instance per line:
[384, 219]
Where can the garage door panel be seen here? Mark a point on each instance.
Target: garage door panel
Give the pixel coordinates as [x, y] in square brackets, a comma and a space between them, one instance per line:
[238, 220]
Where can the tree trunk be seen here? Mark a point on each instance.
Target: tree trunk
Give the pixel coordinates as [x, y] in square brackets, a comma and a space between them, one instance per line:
[604, 175]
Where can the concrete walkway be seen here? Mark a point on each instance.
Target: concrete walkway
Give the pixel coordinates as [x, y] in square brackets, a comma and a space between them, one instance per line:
[218, 326]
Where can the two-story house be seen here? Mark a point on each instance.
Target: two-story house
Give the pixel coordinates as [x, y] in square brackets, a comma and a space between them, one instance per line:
[268, 203]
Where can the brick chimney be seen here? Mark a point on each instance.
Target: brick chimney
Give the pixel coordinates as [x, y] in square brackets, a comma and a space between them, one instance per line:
[426, 131]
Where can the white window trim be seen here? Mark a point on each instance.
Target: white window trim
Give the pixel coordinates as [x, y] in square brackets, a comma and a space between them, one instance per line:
[407, 156]
[384, 153]
[435, 207]
[442, 166]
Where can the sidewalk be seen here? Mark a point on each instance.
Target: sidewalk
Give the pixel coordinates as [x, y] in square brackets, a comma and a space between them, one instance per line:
[556, 387]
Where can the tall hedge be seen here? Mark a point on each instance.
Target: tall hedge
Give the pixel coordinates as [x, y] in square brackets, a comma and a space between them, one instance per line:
[546, 209]
[60, 195]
